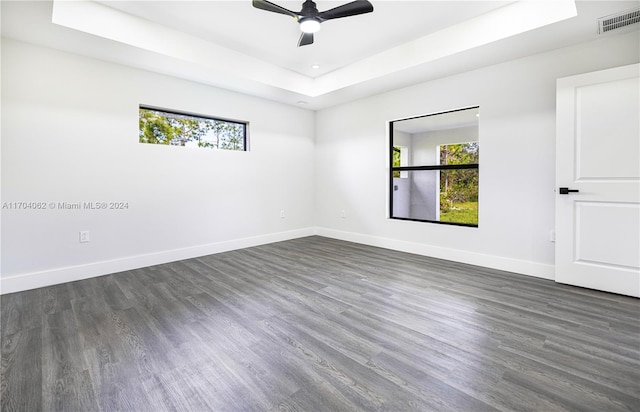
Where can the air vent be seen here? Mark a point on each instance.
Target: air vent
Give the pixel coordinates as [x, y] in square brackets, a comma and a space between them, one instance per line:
[618, 21]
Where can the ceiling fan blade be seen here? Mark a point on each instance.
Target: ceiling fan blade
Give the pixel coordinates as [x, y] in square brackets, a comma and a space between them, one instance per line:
[305, 38]
[268, 6]
[350, 9]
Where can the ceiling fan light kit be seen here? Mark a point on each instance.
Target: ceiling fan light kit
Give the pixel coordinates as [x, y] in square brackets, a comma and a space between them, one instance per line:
[310, 18]
[310, 26]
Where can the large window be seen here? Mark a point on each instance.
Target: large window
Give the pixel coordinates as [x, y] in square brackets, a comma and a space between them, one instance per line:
[434, 168]
[159, 126]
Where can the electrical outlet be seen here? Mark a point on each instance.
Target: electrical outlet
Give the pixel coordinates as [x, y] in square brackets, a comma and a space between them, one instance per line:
[282, 214]
[84, 236]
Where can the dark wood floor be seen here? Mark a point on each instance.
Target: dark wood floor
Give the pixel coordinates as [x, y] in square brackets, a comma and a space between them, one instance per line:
[316, 324]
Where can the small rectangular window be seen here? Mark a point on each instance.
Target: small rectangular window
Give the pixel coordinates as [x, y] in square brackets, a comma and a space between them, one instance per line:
[160, 126]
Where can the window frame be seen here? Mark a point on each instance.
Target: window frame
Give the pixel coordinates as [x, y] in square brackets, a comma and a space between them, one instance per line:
[393, 169]
[245, 124]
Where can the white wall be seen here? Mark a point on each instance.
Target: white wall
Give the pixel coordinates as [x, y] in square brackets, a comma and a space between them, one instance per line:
[70, 133]
[517, 168]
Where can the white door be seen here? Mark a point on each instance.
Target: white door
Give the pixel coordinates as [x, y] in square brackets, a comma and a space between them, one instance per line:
[598, 156]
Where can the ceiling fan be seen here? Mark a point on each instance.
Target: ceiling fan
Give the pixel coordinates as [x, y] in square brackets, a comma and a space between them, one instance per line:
[310, 18]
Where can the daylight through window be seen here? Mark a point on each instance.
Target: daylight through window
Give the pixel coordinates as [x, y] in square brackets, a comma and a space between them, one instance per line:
[159, 126]
[434, 167]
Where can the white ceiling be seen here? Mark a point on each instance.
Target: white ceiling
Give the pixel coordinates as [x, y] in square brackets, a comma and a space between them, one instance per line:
[230, 44]
[273, 38]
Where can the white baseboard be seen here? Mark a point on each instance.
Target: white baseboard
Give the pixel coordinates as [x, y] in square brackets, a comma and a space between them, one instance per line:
[540, 270]
[35, 280]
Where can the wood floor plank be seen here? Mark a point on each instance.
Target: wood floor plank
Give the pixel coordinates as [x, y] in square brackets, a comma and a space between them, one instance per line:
[21, 374]
[67, 384]
[318, 324]
[22, 311]
[56, 298]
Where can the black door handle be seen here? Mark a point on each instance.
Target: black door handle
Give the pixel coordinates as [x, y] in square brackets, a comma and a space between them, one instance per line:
[566, 190]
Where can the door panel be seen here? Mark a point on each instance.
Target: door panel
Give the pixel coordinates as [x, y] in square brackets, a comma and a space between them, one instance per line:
[606, 130]
[608, 241]
[598, 154]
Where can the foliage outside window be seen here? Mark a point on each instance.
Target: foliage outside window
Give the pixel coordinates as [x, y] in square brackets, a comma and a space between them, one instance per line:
[459, 187]
[397, 162]
[434, 168]
[158, 126]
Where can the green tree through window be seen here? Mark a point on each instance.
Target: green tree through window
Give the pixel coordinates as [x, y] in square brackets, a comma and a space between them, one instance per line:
[177, 129]
[397, 162]
[459, 187]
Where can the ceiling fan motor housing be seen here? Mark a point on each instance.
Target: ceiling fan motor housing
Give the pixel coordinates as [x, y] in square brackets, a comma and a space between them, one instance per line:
[310, 18]
[309, 10]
